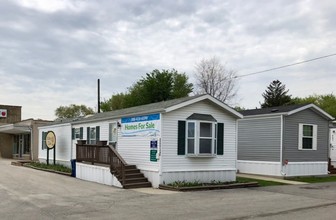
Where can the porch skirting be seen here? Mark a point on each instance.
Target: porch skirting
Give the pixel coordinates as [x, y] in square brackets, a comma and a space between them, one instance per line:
[98, 174]
[277, 169]
[227, 175]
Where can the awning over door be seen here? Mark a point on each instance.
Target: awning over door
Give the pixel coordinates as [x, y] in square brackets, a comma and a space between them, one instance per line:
[14, 129]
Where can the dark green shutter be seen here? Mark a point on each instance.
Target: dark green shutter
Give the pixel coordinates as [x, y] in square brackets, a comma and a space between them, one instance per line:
[44, 134]
[181, 136]
[220, 139]
[88, 135]
[81, 133]
[73, 133]
[97, 133]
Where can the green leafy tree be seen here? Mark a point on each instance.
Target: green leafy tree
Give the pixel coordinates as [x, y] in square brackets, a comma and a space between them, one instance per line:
[73, 111]
[276, 95]
[325, 102]
[156, 86]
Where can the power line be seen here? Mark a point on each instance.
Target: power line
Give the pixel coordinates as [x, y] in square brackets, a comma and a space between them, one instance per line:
[281, 67]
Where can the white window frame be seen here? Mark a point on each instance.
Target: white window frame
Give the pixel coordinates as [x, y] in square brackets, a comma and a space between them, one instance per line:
[77, 133]
[314, 137]
[197, 138]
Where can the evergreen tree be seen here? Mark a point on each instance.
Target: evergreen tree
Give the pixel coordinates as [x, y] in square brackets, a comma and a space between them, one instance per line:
[276, 95]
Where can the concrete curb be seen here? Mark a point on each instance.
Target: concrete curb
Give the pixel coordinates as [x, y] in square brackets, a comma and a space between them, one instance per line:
[210, 187]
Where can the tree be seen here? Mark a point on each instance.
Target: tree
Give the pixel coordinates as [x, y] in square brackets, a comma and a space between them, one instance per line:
[276, 95]
[73, 111]
[325, 102]
[156, 86]
[215, 79]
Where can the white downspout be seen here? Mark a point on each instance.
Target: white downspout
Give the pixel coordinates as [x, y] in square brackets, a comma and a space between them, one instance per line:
[237, 146]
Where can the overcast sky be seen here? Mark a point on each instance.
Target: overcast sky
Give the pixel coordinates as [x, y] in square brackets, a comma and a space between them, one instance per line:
[52, 52]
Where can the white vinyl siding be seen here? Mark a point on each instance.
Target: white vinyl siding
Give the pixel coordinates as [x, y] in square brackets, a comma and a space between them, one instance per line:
[307, 137]
[172, 162]
[134, 150]
[63, 144]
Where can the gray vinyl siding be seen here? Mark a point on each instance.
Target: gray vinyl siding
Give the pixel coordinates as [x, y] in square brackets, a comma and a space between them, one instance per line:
[259, 139]
[291, 137]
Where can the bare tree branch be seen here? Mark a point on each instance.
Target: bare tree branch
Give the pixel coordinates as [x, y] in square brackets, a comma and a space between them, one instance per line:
[215, 79]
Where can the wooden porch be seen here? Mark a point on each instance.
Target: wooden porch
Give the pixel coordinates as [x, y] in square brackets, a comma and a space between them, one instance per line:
[102, 154]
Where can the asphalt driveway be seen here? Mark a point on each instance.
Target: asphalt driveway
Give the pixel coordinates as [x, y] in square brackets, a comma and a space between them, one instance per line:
[31, 194]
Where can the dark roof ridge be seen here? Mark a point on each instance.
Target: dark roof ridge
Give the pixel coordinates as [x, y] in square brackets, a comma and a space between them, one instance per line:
[272, 110]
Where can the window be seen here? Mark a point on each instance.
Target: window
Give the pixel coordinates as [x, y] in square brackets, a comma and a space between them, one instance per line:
[113, 133]
[44, 135]
[307, 137]
[93, 134]
[200, 135]
[77, 133]
[201, 138]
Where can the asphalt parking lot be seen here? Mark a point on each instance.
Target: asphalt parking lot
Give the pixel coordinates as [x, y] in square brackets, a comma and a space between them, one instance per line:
[31, 194]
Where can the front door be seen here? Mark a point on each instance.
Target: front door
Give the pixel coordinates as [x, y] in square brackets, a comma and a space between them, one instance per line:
[113, 134]
[333, 144]
[22, 146]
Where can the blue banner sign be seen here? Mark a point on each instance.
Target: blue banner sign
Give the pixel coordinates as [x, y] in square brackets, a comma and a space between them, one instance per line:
[146, 125]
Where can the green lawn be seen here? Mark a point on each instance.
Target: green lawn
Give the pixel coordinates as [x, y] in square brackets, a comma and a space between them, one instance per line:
[314, 179]
[260, 182]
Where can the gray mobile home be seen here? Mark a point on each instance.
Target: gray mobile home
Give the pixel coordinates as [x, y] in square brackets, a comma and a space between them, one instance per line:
[284, 141]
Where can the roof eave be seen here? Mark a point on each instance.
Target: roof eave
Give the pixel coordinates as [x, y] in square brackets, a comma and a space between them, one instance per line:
[204, 97]
[265, 115]
[323, 113]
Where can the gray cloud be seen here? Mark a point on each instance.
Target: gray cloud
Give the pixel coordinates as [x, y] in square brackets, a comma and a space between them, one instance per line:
[52, 54]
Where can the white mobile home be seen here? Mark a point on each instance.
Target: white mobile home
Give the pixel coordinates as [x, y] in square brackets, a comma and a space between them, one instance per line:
[186, 139]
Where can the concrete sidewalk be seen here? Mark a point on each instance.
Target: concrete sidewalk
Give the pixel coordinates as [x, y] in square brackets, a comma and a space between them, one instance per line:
[267, 178]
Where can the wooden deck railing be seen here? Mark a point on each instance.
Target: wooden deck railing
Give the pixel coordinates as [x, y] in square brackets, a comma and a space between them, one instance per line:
[105, 154]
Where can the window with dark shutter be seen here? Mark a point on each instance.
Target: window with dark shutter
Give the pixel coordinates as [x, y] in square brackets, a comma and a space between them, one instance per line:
[200, 136]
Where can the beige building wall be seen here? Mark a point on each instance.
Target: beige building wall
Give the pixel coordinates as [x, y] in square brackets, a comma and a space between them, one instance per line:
[6, 145]
[6, 140]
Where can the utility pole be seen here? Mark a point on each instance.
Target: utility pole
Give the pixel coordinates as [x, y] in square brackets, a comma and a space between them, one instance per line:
[98, 95]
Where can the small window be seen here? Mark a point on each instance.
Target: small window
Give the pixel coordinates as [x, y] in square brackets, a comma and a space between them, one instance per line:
[307, 137]
[191, 138]
[77, 133]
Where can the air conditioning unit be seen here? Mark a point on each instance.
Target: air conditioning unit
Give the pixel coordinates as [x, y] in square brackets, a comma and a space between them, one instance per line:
[3, 113]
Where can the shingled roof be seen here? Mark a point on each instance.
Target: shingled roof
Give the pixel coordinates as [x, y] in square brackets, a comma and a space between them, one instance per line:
[272, 110]
[157, 107]
[285, 110]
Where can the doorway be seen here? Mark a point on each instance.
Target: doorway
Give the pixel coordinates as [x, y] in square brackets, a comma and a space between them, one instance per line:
[21, 148]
